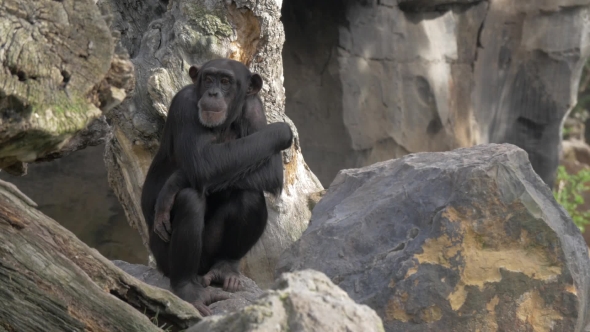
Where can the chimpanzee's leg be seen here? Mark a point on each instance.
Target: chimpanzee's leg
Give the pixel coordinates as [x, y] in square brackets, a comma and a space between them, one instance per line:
[230, 233]
[185, 249]
[165, 201]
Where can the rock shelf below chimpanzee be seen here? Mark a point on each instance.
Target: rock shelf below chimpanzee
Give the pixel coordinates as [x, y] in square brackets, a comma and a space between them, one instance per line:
[467, 240]
[299, 301]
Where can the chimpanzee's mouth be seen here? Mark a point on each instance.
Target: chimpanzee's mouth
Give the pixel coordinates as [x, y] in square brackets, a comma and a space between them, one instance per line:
[209, 106]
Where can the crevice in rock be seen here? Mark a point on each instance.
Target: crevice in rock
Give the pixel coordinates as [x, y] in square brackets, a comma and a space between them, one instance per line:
[423, 6]
[434, 126]
[478, 42]
[135, 300]
[535, 129]
[22, 76]
[413, 233]
[66, 78]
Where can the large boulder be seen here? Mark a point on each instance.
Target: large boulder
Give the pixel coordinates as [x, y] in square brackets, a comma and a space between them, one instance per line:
[301, 301]
[465, 240]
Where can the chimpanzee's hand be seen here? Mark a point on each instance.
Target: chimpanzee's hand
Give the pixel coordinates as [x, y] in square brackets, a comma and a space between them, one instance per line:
[284, 135]
[162, 226]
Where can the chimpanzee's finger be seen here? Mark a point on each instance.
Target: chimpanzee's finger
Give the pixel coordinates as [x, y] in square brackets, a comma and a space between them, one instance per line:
[167, 225]
[216, 297]
[202, 308]
[159, 230]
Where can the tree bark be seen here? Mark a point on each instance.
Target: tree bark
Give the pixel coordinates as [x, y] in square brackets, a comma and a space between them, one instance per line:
[59, 284]
[193, 32]
[55, 57]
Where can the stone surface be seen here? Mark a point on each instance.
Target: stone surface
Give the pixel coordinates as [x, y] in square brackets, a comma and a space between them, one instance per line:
[372, 80]
[56, 58]
[527, 74]
[465, 240]
[301, 301]
[249, 293]
[162, 42]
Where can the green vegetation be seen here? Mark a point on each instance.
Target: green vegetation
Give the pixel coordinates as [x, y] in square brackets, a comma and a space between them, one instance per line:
[569, 188]
[568, 192]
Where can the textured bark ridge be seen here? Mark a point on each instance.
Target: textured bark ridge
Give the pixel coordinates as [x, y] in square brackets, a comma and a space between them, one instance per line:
[51, 281]
[178, 36]
[465, 240]
[55, 57]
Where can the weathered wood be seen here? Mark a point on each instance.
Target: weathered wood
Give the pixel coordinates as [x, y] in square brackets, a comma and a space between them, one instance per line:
[54, 58]
[51, 281]
[192, 32]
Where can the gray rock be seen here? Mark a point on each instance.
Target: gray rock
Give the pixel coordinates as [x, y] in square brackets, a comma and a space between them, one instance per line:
[465, 240]
[372, 80]
[237, 300]
[302, 301]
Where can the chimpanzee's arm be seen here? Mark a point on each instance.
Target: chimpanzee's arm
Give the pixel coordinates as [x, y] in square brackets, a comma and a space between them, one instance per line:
[267, 175]
[205, 164]
[219, 163]
[176, 182]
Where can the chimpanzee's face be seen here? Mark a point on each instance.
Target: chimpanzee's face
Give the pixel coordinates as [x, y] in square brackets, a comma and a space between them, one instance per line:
[217, 88]
[222, 86]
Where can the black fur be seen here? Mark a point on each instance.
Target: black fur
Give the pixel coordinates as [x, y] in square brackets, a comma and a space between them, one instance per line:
[211, 177]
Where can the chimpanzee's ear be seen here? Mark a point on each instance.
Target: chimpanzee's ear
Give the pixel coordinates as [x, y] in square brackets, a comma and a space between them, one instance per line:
[255, 84]
[193, 72]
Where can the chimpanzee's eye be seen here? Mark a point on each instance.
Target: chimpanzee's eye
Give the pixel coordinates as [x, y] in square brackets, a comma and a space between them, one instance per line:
[208, 80]
[225, 81]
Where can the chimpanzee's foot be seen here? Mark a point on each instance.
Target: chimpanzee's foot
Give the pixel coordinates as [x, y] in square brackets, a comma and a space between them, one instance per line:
[226, 273]
[198, 296]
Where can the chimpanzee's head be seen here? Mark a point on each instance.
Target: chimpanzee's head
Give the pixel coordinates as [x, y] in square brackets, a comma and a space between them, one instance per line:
[222, 87]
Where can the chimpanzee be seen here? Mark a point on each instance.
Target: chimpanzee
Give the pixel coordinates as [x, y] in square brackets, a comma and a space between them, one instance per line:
[217, 155]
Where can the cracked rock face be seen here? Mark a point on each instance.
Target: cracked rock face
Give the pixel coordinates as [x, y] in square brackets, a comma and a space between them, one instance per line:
[465, 240]
[301, 301]
[372, 80]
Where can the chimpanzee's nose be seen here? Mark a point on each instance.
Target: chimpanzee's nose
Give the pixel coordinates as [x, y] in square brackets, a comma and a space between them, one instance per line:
[213, 93]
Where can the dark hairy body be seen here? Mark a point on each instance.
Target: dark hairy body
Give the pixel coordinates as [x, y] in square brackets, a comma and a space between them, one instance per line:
[203, 195]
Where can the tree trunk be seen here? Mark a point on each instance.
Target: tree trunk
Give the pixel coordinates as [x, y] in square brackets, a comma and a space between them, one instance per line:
[51, 281]
[193, 32]
[55, 61]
